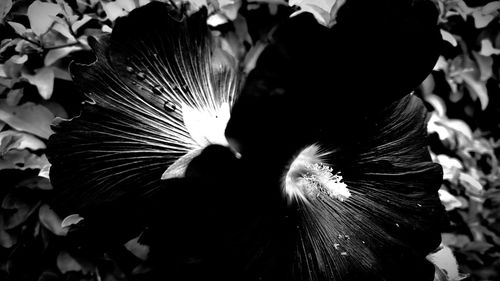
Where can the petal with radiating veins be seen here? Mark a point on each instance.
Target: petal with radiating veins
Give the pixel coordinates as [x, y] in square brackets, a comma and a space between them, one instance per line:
[156, 62]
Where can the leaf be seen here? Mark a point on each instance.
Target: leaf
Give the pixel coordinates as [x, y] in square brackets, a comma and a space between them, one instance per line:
[56, 54]
[7, 240]
[478, 246]
[485, 65]
[14, 96]
[449, 201]
[35, 183]
[18, 206]
[476, 87]
[12, 67]
[139, 250]
[491, 7]
[470, 184]
[28, 117]
[446, 261]
[118, 8]
[76, 25]
[230, 8]
[43, 80]
[50, 220]
[40, 16]
[71, 220]
[18, 28]
[5, 6]
[66, 263]
[321, 15]
[455, 240]
[449, 37]
[22, 160]
[487, 48]
[11, 139]
[45, 171]
[481, 20]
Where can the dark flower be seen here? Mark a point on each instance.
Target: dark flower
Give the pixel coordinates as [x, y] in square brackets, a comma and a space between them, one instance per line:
[320, 179]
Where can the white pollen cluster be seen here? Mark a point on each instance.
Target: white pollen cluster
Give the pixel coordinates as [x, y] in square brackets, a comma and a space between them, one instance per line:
[308, 178]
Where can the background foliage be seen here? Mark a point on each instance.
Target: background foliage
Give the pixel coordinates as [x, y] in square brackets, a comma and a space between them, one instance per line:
[38, 40]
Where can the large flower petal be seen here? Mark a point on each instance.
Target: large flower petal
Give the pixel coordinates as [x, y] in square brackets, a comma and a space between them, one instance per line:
[382, 228]
[309, 75]
[156, 62]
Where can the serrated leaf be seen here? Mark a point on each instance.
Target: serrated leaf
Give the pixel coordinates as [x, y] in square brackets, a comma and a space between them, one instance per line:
[28, 117]
[40, 15]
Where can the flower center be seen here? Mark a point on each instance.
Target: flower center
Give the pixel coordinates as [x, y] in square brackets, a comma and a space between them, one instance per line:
[309, 178]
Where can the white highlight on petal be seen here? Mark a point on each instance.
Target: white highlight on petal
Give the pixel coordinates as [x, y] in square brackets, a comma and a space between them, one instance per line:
[207, 126]
[309, 177]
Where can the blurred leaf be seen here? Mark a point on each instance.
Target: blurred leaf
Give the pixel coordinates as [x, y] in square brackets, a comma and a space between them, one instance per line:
[449, 201]
[71, 220]
[18, 28]
[5, 7]
[7, 240]
[45, 171]
[485, 65]
[77, 24]
[455, 240]
[66, 263]
[22, 159]
[477, 88]
[321, 13]
[17, 140]
[139, 250]
[40, 15]
[478, 246]
[487, 48]
[449, 37]
[12, 67]
[445, 260]
[230, 8]
[18, 206]
[43, 80]
[14, 96]
[28, 117]
[51, 221]
[35, 183]
[117, 8]
[471, 184]
[59, 53]
[481, 20]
